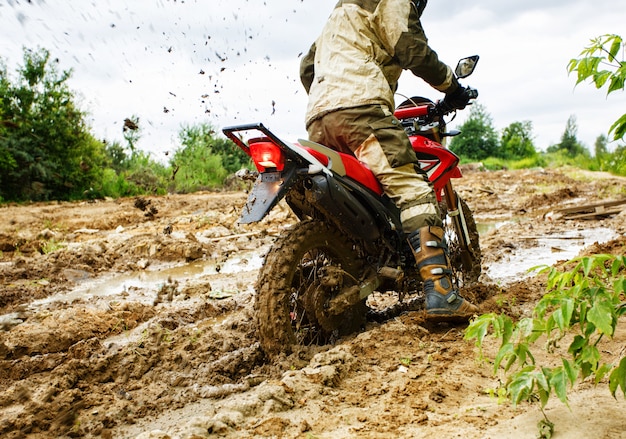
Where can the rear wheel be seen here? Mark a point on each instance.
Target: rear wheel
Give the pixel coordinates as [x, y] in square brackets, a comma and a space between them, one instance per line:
[305, 268]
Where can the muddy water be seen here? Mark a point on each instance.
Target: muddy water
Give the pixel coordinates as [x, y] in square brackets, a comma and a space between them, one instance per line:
[141, 287]
[144, 287]
[544, 250]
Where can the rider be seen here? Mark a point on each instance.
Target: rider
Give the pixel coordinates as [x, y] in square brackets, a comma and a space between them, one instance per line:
[351, 74]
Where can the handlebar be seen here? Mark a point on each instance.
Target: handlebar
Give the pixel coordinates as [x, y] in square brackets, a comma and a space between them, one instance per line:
[410, 112]
[429, 111]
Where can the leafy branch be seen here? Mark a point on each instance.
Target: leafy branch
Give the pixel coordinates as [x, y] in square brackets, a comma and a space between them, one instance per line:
[600, 62]
[584, 304]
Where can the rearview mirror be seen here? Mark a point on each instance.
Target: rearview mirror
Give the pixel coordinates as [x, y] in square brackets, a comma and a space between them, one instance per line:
[466, 66]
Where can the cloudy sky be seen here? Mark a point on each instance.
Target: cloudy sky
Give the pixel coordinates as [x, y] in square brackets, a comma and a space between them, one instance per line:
[175, 62]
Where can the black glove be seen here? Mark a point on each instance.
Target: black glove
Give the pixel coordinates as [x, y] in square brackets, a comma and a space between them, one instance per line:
[458, 99]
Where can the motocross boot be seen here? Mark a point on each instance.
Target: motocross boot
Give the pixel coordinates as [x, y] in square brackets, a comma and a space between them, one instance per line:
[443, 302]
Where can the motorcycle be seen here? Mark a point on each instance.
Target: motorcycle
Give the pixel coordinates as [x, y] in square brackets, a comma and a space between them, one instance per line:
[317, 276]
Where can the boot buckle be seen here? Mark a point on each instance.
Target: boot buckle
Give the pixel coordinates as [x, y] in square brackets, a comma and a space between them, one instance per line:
[452, 298]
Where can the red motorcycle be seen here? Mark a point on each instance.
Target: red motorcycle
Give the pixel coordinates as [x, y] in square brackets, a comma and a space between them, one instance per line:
[318, 275]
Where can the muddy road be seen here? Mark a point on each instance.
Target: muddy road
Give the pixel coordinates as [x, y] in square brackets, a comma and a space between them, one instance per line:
[131, 318]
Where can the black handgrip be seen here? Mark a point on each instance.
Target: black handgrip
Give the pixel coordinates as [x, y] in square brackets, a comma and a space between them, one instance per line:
[472, 93]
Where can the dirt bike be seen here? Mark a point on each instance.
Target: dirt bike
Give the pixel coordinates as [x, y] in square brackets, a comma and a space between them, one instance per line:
[317, 276]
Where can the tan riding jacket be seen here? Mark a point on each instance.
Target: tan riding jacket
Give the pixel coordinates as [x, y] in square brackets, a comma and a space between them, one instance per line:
[363, 48]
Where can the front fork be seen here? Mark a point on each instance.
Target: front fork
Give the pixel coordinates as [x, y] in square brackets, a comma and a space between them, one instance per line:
[455, 212]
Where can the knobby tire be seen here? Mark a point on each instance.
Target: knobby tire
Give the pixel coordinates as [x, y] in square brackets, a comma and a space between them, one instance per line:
[290, 300]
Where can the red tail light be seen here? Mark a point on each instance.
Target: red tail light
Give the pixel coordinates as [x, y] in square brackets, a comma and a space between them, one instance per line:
[266, 155]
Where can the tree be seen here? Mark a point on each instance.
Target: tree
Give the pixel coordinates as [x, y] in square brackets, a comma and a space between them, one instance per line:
[569, 140]
[516, 141]
[599, 62]
[479, 138]
[46, 149]
[600, 146]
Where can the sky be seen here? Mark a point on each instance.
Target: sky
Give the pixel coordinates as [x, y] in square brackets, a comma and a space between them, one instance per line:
[176, 63]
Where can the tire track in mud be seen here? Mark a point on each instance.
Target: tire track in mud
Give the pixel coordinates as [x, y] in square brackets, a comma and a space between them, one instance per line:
[83, 384]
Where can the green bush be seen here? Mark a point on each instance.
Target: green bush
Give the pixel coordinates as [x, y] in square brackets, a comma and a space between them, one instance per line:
[46, 149]
[204, 161]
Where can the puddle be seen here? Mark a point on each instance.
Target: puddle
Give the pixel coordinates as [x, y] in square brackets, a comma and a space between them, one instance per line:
[141, 286]
[547, 251]
[485, 227]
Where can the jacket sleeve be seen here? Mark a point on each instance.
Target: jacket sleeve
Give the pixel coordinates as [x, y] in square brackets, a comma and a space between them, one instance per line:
[414, 54]
[307, 69]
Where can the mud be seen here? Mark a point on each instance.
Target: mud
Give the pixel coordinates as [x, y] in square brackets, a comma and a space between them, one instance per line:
[121, 322]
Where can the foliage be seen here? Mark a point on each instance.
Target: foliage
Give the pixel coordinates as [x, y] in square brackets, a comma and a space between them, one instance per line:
[600, 146]
[616, 162]
[561, 158]
[569, 140]
[516, 141]
[46, 149]
[495, 163]
[479, 138]
[582, 307]
[204, 161]
[129, 171]
[117, 156]
[599, 62]
[145, 175]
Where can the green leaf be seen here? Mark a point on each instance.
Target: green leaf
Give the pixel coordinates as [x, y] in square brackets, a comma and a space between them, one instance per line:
[571, 67]
[558, 381]
[577, 345]
[503, 328]
[506, 351]
[522, 352]
[600, 78]
[601, 315]
[615, 47]
[587, 264]
[542, 379]
[619, 128]
[479, 327]
[571, 370]
[521, 386]
[582, 317]
[617, 83]
[618, 378]
[591, 355]
[602, 371]
[586, 369]
[544, 397]
[527, 327]
[619, 286]
[563, 315]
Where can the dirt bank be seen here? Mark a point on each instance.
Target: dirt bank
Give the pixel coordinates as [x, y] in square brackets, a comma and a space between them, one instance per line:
[129, 317]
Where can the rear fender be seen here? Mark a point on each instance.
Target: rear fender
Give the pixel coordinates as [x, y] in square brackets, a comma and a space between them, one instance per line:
[268, 190]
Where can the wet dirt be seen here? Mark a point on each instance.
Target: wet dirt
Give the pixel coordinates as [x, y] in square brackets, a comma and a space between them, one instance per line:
[119, 323]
